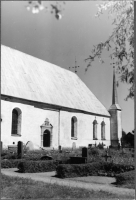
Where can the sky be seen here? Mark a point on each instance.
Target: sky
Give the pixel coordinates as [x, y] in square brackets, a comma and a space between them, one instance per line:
[61, 41]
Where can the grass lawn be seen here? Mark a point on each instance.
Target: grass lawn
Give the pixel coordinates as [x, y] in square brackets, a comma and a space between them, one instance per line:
[20, 188]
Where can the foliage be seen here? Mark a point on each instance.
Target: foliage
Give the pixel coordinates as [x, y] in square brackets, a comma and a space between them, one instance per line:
[121, 157]
[75, 170]
[126, 179]
[120, 43]
[94, 155]
[93, 152]
[37, 166]
[9, 155]
[54, 8]
[127, 140]
[12, 163]
[101, 145]
[91, 169]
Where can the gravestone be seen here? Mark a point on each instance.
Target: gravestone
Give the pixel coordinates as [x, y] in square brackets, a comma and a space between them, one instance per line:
[20, 149]
[73, 146]
[46, 157]
[1, 146]
[78, 160]
[12, 148]
[89, 145]
[60, 149]
[29, 146]
[132, 155]
[84, 152]
[119, 146]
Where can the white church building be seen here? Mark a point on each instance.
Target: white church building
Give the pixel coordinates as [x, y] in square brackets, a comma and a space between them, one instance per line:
[51, 107]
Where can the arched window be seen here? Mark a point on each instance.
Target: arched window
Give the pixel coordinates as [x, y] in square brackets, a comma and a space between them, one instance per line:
[74, 127]
[103, 130]
[16, 121]
[95, 130]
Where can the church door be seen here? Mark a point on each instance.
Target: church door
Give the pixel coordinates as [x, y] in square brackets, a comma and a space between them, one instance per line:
[46, 138]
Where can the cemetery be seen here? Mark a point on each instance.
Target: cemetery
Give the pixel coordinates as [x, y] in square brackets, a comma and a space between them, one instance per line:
[69, 163]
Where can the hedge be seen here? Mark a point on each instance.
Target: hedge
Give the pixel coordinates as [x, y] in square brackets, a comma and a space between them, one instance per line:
[10, 163]
[37, 166]
[91, 169]
[8, 156]
[125, 177]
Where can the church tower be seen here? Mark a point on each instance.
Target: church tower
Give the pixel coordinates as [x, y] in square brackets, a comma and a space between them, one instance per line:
[115, 112]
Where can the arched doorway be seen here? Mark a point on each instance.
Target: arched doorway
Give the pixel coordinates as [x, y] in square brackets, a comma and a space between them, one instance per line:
[46, 138]
[46, 134]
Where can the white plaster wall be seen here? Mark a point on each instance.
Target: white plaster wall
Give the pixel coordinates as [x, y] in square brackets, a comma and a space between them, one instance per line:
[84, 129]
[32, 119]
[119, 125]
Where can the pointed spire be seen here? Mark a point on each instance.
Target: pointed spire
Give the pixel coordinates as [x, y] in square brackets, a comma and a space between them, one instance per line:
[114, 92]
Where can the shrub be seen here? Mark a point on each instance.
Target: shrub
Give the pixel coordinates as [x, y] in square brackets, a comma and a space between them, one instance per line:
[4, 152]
[126, 178]
[34, 157]
[74, 170]
[91, 169]
[93, 152]
[6, 164]
[10, 163]
[10, 156]
[37, 166]
[101, 145]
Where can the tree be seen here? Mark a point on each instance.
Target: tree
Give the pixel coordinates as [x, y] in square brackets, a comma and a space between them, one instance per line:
[120, 43]
[127, 140]
[55, 8]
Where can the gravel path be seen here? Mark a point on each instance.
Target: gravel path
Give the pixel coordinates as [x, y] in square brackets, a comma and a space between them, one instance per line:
[47, 177]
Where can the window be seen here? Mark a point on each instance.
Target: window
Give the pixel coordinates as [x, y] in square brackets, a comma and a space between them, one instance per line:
[16, 122]
[103, 130]
[95, 130]
[74, 128]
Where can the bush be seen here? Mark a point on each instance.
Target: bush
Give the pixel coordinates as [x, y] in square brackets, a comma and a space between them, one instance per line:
[123, 177]
[126, 179]
[34, 157]
[37, 166]
[93, 152]
[75, 170]
[91, 169]
[10, 156]
[4, 152]
[10, 163]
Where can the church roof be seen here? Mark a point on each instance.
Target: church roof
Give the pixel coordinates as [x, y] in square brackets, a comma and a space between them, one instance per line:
[27, 77]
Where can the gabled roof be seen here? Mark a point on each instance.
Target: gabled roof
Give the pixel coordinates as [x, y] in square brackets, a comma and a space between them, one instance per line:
[27, 77]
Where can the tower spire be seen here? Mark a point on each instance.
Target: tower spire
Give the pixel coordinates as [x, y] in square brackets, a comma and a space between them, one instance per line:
[115, 112]
[114, 92]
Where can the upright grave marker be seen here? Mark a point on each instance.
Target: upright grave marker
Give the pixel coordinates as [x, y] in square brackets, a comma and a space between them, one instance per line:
[84, 152]
[60, 149]
[20, 149]
[1, 146]
[73, 146]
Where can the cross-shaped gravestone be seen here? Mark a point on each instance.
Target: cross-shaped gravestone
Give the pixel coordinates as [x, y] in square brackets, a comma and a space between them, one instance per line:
[106, 156]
